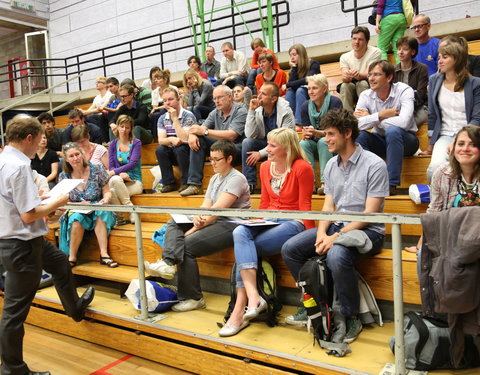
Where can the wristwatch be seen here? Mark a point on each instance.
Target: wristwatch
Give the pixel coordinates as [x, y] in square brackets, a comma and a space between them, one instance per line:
[206, 132]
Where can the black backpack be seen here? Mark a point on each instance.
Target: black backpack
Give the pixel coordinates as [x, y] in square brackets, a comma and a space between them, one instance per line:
[316, 282]
[267, 288]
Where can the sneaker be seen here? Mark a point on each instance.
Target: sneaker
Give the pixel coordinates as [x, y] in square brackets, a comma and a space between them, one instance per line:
[161, 268]
[119, 219]
[192, 190]
[354, 327]
[189, 304]
[300, 318]
[168, 188]
[182, 187]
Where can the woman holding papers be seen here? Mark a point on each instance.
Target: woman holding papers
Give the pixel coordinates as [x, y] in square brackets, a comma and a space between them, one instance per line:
[125, 167]
[287, 184]
[95, 189]
[207, 235]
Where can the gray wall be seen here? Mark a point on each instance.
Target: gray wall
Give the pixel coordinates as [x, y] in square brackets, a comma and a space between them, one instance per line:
[81, 26]
[11, 45]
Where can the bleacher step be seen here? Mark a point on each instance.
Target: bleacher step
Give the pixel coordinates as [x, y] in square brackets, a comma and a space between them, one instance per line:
[122, 274]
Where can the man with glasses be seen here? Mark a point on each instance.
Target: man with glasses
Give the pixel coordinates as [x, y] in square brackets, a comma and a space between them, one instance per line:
[269, 111]
[226, 121]
[427, 45]
[136, 110]
[210, 65]
[387, 109]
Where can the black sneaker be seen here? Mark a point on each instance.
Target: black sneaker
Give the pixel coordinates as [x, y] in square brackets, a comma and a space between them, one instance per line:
[354, 327]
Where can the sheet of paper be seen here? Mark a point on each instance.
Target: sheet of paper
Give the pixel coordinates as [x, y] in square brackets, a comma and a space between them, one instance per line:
[255, 222]
[182, 219]
[63, 187]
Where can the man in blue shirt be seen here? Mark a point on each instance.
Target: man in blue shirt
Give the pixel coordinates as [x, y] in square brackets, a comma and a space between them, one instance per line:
[427, 45]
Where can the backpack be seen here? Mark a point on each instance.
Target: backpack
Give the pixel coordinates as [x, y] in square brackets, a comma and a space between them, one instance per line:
[427, 344]
[267, 288]
[372, 18]
[316, 282]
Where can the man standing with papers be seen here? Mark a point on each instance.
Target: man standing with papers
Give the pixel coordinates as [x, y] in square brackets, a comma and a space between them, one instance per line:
[23, 249]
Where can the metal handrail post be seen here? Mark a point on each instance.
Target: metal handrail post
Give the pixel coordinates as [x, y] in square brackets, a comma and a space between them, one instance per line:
[141, 266]
[398, 300]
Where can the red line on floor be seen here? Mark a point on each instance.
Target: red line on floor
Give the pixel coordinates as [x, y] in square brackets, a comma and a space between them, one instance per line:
[102, 371]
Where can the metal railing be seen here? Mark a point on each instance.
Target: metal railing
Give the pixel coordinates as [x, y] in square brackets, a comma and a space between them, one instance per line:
[161, 44]
[395, 219]
[27, 98]
[355, 8]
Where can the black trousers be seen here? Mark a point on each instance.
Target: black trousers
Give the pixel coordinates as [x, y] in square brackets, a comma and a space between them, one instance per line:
[24, 261]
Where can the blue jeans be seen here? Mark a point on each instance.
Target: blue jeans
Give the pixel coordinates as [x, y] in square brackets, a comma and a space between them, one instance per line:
[201, 111]
[251, 242]
[396, 144]
[195, 169]
[250, 171]
[167, 157]
[296, 98]
[341, 261]
[252, 74]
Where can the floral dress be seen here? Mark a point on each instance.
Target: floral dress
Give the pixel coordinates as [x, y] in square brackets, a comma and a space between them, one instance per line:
[97, 179]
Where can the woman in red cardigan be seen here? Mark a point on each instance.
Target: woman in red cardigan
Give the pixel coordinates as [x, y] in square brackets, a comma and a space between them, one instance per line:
[287, 184]
[270, 74]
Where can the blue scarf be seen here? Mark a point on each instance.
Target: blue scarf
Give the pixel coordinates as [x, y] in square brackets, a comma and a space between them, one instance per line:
[315, 116]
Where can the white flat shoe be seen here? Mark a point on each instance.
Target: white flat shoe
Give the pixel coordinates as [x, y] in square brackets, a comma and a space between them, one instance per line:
[253, 313]
[230, 330]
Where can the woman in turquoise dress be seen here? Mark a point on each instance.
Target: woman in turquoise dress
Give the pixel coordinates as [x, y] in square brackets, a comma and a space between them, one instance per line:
[95, 189]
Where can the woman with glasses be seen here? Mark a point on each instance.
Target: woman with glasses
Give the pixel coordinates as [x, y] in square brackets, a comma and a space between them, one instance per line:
[204, 235]
[125, 167]
[287, 184]
[453, 102]
[92, 152]
[94, 190]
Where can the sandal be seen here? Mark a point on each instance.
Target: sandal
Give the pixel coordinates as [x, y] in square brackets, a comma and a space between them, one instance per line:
[108, 261]
[73, 263]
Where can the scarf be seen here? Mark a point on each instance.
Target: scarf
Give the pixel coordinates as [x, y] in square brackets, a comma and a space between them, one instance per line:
[316, 116]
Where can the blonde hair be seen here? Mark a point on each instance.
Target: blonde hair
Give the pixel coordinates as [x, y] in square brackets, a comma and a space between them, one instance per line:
[319, 79]
[191, 72]
[288, 138]
[125, 119]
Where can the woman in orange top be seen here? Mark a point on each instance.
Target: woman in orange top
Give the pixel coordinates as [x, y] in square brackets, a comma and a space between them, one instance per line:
[258, 48]
[287, 184]
[270, 74]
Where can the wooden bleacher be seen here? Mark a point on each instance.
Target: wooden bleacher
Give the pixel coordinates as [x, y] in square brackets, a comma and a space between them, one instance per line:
[377, 271]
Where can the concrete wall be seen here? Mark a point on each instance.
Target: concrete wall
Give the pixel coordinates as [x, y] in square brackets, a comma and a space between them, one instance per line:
[81, 26]
[11, 45]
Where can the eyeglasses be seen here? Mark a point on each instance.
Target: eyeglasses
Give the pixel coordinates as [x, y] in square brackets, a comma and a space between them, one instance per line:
[70, 145]
[216, 98]
[418, 26]
[216, 160]
[125, 96]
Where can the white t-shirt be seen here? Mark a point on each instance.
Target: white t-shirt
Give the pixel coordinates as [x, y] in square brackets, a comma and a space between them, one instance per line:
[349, 61]
[100, 100]
[452, 106]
